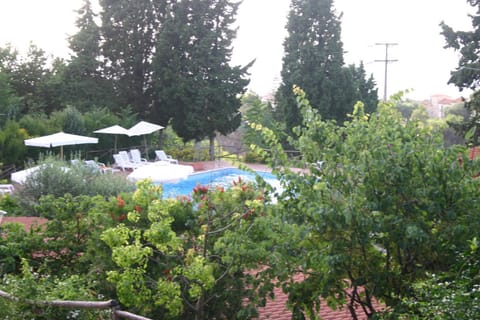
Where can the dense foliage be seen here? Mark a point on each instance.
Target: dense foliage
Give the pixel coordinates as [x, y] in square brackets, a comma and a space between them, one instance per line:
[168, 250]
[314, 61]
[381, 206]
[162, 258]
[56, 179]
[453, 294]
[131, 65]
[384, 205]
[84, 84]
[194, 82]
[381, 211]
[467, 73]
[62, 259]
[254, 110]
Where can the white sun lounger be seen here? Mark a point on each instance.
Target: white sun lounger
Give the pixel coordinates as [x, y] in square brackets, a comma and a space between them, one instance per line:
[123, 162]
[6, 188]
[162, 156]
[136, 157]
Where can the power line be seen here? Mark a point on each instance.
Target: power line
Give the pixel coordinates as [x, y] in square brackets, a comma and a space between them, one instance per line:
[386, 61]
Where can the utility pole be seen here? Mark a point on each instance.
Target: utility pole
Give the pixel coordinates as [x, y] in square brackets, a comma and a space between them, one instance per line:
[387, 45]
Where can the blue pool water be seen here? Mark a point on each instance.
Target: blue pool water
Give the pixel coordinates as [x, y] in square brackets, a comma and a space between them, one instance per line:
[214, 178]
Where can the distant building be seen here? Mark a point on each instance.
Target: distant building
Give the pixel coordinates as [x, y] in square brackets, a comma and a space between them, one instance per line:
[437, 104]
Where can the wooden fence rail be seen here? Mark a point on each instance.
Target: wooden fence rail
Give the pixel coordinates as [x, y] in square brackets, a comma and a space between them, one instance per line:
[113, 305]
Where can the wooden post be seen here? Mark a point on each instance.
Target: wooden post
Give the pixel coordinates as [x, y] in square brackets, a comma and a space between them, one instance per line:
[113, 305]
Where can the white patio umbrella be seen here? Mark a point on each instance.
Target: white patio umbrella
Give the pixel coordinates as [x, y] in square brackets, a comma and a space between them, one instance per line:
[142, 129]
[59, 139]
[116, 130]
[21, 176]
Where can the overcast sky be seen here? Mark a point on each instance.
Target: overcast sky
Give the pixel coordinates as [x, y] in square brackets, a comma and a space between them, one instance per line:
[423, 65]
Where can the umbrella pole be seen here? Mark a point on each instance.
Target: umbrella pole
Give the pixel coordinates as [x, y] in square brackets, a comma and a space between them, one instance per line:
[146, 148]
[115, 145]
[61, 153]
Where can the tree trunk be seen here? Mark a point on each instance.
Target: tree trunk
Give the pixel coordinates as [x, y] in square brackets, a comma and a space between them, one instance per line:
[199, 314]
[212, 148]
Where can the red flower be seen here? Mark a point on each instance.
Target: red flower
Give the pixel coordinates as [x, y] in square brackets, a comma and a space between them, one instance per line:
[120, 202]
[200, 189]
[235, 182]
[138, 208]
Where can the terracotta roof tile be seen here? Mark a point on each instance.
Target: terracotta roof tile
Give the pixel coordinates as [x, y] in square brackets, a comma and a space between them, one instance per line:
[277, 309]
[474, 152]
[28, 222]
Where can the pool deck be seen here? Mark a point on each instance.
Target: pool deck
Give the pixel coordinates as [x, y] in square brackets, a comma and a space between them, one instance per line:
[200, 166]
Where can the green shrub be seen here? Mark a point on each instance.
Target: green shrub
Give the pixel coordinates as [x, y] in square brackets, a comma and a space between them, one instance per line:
[12, 148]
[254, 157]
[10, 204]
[174, 146]
[37, 287]
[56, 178]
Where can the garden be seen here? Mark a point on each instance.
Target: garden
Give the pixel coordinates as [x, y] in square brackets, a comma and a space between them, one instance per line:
[391, 216]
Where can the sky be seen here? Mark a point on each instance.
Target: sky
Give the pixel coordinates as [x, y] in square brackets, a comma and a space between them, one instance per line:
[422, 64]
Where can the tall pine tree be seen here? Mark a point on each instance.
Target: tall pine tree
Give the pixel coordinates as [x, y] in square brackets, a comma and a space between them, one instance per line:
[194, 82]
[129, 31]
[314, 61]
[85, 85]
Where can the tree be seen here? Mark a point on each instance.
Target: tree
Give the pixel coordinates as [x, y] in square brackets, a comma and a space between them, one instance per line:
[27, 77]
[12, 147]
[406, 108]
[9, 102]
[365, 89]
[63, 259]
[449, 295]
[68, 120]
[194, 82]
[382, 204]
[168, 252]
[35, 79]
[419, 114]
[258, 113]
[129, 32]
[467, 74]
[85, 87]
[314, 61]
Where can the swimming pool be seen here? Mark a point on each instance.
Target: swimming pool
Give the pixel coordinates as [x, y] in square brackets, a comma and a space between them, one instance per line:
[220, 177]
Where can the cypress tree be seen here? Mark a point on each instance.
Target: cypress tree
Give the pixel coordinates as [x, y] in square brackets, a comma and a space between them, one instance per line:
[129, 33]
[85, 85]
[314, 61]
[193, 80]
